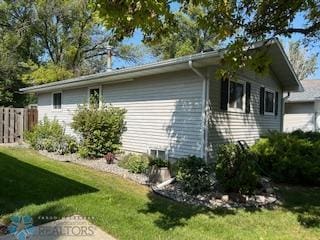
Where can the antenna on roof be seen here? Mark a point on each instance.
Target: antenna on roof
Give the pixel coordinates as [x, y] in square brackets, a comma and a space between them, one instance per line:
[109, 58]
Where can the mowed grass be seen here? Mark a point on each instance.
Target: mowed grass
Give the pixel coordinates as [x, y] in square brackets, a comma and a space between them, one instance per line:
[35, 185]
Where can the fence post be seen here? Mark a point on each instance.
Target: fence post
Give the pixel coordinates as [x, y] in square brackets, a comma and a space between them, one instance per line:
[6, 123]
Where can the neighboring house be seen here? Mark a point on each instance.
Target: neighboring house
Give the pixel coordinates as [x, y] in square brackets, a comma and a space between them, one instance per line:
[302, 108]
[177, 107]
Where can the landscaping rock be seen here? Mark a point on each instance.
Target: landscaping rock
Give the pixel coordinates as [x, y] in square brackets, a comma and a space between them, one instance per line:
[231, 201]
[99, 164]
[225, 198]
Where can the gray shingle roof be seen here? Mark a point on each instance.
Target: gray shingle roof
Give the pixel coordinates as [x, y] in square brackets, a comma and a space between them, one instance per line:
[311, 92]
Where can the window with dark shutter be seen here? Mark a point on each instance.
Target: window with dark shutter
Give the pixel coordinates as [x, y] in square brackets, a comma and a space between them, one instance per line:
[276, 104]
[262, 100]
[248, 96]
[224, 94]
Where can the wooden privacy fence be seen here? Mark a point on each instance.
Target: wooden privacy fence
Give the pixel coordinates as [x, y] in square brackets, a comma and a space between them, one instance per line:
[14, 121]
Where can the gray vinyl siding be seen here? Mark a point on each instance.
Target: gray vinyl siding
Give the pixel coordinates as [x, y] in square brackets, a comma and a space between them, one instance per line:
[302, 121]
[229, 126]
[299, 107]
[163, 112]
[300, 115]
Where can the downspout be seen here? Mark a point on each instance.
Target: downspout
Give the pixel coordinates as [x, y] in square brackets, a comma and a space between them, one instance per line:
[205, 100]
[284, 99]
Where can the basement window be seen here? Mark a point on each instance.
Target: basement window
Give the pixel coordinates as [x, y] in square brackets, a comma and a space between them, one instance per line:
[156, 153]
[56, 100]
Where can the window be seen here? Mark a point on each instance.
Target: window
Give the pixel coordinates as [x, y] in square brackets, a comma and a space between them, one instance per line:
[56, 100]
[269, 102]
[94, 96]
[236, 94]
[158, 153]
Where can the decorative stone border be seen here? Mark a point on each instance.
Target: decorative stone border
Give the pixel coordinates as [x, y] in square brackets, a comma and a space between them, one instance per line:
[216, 199]
[98, 164]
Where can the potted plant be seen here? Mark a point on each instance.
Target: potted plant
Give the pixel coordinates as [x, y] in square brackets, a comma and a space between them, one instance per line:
[110, 157]
[159, 170]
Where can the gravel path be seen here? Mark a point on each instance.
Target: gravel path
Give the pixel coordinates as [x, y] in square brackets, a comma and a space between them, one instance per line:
[99, 164]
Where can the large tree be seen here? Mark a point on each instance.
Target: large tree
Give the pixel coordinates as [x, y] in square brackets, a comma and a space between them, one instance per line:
[189, 37]
[303, 63]
[236, 23]
[49, 40]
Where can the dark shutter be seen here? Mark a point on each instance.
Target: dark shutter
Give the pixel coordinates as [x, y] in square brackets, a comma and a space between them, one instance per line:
[262, 100]
[224, 94]
[276, 104]
[248, 96]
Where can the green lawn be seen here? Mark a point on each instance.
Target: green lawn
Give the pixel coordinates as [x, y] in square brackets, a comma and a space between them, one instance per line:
[32, 184]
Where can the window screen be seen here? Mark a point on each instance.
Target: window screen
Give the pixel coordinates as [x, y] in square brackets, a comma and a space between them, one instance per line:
[57, 101]
[94, 96]
[236, 95]
[269, 102]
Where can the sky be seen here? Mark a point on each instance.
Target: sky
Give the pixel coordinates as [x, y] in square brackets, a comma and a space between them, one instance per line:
[137, 39]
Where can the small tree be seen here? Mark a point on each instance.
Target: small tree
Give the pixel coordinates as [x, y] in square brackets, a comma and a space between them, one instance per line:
[100, 129]
[304, 64]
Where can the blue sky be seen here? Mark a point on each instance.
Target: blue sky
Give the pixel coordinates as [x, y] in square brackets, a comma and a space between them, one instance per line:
[137, 39]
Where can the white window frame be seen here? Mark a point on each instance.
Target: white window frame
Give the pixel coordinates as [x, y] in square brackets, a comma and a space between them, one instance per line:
[158, 149]
[265, 101]
[100, 94]
[52, 102]
[233, 109]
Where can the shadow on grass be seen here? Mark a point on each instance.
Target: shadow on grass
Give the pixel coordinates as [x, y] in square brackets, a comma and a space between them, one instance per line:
[174, 214]
[304, 201]
[23, 184]
[55, 211]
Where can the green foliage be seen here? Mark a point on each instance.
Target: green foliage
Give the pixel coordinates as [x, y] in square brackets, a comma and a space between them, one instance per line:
[100, 129]
[194, 174]
[49, 135]
[135, 163]
[46, 73]
[234, 24]
[236, 169]
[290, 157]
[189, 38]
[159, 162]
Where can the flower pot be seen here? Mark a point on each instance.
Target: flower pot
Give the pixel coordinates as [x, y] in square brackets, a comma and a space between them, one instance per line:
[159, 175]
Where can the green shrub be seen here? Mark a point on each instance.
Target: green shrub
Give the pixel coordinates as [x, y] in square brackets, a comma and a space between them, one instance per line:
[290, 157]
[236, 169]
[49, 135]
[45, 129]
[135, 163]
[194, 174]
[159, 162]
[100, 129]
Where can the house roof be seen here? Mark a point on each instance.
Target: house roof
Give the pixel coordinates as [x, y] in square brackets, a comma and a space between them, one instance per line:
[280, 66]
[310, 94]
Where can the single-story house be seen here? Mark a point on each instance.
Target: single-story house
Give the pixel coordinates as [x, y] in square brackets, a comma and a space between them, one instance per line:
[178, 107]
[302, 108]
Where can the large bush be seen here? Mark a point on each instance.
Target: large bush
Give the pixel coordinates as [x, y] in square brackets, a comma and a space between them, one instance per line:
[290, 157]
[135, 163]
[194, 174]
[236, 169]
[100, 129]
[49, 135]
